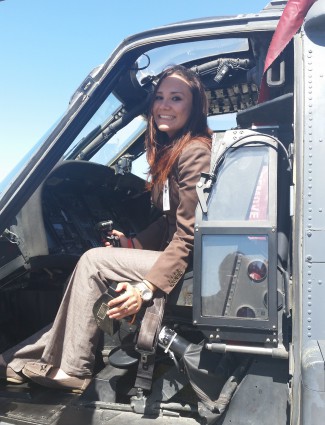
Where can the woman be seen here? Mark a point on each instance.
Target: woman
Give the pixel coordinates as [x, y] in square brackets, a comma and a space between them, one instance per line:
[178, 143]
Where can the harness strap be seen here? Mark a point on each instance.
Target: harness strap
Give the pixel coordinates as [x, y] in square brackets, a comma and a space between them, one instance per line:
[148, 339]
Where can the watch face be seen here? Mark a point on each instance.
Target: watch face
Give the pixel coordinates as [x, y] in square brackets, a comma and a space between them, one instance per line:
[146, 295]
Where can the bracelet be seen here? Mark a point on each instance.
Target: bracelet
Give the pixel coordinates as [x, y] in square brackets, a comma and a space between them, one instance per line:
[132, 319]
[130, 243]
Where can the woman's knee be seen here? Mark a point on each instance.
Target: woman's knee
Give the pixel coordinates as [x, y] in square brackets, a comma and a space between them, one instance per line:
[89, 262]
[92, 256]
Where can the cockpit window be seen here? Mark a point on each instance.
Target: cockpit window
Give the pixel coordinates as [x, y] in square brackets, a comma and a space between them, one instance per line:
[154, 61]
[150, 63]
[120, 142]
[95, 125]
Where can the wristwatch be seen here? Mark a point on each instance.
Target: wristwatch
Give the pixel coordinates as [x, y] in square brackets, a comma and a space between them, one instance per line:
[145, 293]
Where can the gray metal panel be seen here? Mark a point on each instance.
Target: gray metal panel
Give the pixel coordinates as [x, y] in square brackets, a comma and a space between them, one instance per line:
[313, 376]
[313, 298]
[313, 221]
[298, 261]
[262, 397]
[309, 89]
[314, 245]
[313, 383]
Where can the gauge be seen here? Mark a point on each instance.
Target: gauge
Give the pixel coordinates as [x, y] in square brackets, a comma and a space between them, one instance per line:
[257, 270]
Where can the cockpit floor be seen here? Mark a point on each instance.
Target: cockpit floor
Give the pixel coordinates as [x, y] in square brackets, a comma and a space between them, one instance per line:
[31, 404]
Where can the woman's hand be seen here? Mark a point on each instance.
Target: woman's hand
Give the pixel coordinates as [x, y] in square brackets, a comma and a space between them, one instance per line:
[123, 240]
[127, 304]
[121, 236]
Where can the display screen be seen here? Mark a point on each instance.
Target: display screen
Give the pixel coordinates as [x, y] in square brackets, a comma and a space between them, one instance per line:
[235, 276]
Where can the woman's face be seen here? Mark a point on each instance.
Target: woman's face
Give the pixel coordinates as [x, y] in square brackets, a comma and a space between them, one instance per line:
[173, 104]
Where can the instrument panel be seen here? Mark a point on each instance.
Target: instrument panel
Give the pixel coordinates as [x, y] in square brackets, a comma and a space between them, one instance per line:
[75, 201]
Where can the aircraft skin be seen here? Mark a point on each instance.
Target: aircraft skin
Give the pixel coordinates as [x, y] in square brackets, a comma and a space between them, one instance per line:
[242, 341]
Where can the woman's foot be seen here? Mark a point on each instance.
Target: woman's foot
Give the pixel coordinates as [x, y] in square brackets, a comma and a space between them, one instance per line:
[50, 377]
[11, 376]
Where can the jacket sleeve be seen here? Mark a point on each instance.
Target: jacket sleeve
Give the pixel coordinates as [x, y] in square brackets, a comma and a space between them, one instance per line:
[172, 263]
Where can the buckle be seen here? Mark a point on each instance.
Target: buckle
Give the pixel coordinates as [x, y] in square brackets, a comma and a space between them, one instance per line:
[146, 357]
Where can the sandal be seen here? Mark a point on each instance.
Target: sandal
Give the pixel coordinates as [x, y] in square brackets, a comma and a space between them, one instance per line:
[39, 373]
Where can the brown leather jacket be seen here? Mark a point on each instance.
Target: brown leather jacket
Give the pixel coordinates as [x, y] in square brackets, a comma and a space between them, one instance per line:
[174, 231]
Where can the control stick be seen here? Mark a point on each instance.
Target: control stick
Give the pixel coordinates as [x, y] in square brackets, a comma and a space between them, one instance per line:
[104, 227]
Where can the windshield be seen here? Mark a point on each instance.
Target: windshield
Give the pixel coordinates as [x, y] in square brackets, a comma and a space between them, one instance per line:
[110, 107]
[6, 182]
[155, 60]
[120, 142]
[150, 63]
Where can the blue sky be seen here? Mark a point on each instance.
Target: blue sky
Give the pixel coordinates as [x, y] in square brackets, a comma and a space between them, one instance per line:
[48, 48]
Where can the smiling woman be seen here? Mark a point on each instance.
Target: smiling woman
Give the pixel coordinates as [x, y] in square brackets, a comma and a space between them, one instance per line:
[173, 104]
[77, 218]
[66, 358]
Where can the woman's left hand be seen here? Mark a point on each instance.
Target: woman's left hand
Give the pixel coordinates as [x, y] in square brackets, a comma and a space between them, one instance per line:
[127, 304]
[120, 236]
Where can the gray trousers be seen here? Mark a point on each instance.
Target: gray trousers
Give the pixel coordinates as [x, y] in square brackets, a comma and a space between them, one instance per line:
[71, 342]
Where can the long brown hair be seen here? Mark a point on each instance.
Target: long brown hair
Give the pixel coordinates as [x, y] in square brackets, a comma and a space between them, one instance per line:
[162, 152]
